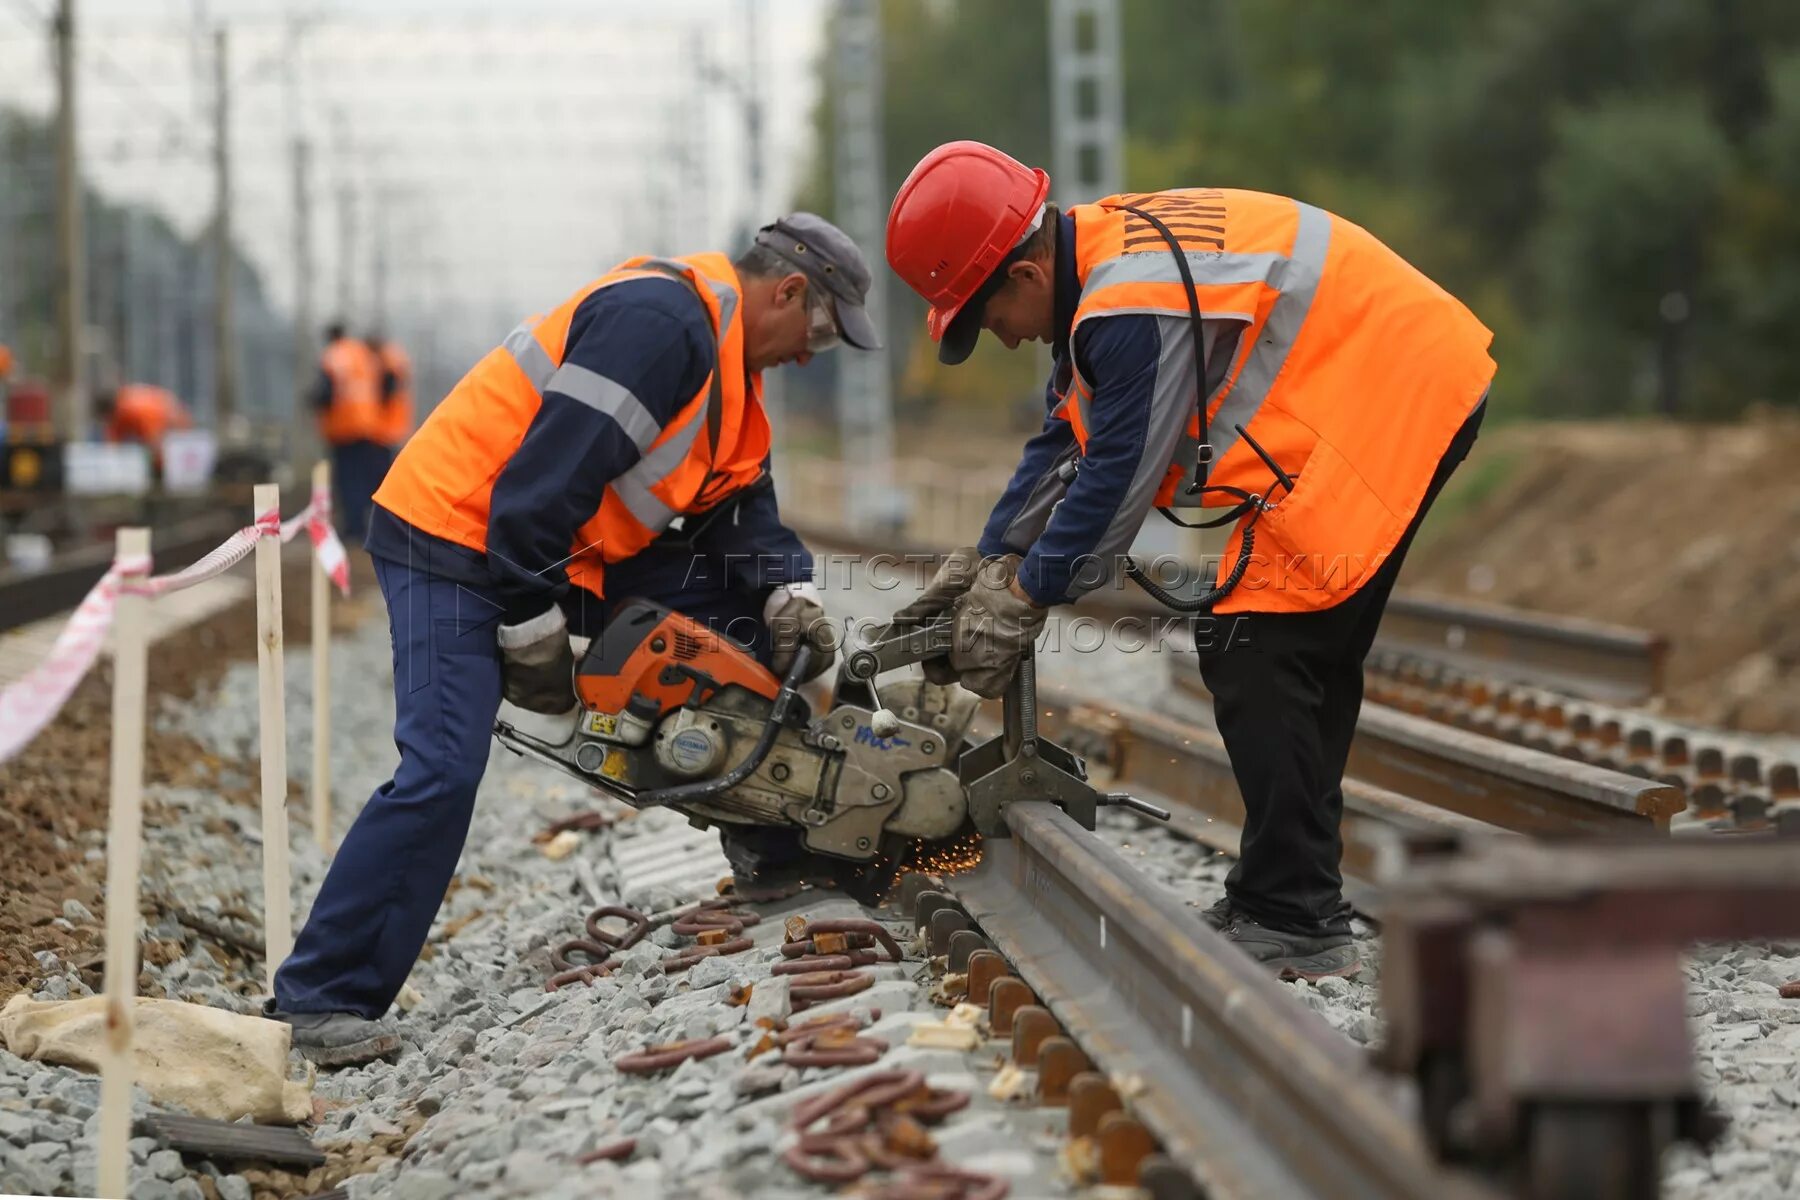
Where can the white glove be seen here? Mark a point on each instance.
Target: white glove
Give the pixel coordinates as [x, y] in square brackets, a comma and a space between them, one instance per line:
[795, 615]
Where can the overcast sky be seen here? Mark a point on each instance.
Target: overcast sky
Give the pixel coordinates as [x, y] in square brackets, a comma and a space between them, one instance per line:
[502, 153]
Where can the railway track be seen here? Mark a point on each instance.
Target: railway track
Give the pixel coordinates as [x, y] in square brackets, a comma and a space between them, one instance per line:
[1246, 1092]
[1730, 782]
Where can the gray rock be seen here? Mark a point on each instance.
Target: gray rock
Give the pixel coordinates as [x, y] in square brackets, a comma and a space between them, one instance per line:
[32, 1177]
[16, 1127]
[710, 972]
[451, 1045]
[188, 1188]
[234, 1187]
[77, 912]
[57, 1129]
[760, 1080]
[166, 1164]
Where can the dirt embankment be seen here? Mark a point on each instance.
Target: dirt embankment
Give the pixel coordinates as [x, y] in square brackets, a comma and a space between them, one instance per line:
[1689, 530]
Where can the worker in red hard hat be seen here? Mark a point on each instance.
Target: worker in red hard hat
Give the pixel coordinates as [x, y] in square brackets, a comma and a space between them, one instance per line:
[1220, 348]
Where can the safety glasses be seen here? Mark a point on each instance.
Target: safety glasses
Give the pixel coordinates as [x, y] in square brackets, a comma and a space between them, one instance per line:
[822, 327]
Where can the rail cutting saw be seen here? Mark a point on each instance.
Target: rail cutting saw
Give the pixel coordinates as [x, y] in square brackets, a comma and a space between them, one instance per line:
[672, 714]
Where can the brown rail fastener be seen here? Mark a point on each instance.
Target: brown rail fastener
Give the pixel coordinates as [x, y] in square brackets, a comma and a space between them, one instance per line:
[858, 925]
[836, 1046]
[1031, 1024]
[682, 960]
[932, 1104]
[1060, 1060]
[848, 1022]
[985, 966]
[828, 985]
[1004, 998]
[713, 914]
[609, 1152]
[940, 1181]
[873, 1090]
[596, 954]
[814, 963]
[586, 975]
[826, 1158]
[1124, 1143]
[639, 926]
[1090, 1098]
[652, 1059]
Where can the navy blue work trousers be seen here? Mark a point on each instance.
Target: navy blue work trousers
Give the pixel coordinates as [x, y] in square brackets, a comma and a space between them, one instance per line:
[357, 469]
[375, 908]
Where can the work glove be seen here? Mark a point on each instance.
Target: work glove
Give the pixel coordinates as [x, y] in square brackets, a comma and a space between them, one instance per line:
[995, 626]
[954, 577]
[537, 665]
[795, 618]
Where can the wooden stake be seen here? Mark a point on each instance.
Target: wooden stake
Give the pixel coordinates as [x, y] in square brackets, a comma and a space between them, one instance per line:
[278, 936]
[124, 838]
[321, 680]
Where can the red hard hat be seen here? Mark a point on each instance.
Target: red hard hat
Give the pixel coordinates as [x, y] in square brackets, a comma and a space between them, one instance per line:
[964, 208]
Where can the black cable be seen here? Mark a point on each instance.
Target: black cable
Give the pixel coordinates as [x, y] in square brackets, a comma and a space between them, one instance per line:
[1211, 596]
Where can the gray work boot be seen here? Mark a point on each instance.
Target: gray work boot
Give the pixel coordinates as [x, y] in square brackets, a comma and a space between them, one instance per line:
[1295, 955]
[336, 1039]
[1220, 915]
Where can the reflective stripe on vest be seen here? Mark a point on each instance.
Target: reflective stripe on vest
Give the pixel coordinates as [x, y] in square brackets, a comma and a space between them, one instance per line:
[602, 394]
[1293, 276]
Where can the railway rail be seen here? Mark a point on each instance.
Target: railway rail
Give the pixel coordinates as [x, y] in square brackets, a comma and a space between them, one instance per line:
[1247, 1092]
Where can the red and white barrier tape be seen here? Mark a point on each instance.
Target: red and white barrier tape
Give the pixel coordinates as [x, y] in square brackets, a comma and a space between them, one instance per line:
[31, 703]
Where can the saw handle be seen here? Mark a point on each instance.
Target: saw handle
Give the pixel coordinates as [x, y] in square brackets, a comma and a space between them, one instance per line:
[785, 699]
[896, 647]
[1155, 812]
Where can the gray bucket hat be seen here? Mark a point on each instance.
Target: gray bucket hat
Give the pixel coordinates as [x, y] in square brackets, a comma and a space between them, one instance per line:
[826, 255]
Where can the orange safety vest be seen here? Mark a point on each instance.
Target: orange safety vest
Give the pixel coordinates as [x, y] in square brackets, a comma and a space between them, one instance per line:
[397, 410]
[354, 414]
[1353, 372]
[143, 413]
[442, 481]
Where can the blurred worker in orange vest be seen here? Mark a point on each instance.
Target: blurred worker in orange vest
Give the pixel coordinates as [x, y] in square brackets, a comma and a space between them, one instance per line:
[614, 446]
[396, 391]
[1212, 347]
[142, 413]
[348, 399]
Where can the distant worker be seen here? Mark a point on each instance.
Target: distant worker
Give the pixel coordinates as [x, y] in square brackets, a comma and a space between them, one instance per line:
[615, 447]
[1341, 389]
[396, 423]
[142, 413]
[348, 399]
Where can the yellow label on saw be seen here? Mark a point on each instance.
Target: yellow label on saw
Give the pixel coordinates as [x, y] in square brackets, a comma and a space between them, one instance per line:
[602, 724]
[614, 766]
